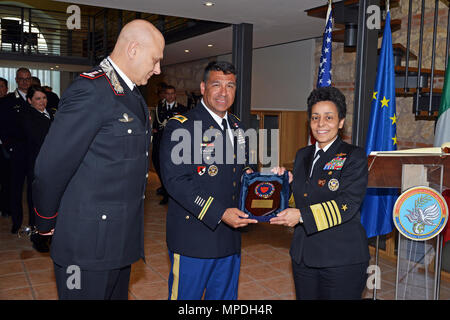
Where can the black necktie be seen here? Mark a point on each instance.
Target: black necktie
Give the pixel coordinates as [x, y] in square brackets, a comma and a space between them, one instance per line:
[224, 124]
[319, 154]
[225, 127]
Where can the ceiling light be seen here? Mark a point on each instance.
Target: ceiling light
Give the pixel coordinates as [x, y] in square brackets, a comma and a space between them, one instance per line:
[210, 45]
[187, 51]
[209, 4]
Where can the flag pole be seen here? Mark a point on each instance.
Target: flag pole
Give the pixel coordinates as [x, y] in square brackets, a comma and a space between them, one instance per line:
[377, 248]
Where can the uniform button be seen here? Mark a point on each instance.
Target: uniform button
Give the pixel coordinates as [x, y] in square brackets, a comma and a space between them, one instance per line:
[146, 153]
[146, 131]
[146, 175]
[143, 197]
[234, 184]
[233, 197]
[130, 131]
[187, 217]
[305, 194]
[104, 217]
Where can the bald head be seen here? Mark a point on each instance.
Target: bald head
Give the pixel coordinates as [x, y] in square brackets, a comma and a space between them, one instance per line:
[139, 50]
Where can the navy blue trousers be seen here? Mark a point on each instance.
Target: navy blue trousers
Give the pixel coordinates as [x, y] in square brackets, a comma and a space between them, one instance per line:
[194, 278]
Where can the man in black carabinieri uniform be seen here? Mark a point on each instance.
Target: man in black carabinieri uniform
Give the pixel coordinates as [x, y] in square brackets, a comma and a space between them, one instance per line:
[91, 172]
[165, 110]
[202, 220]
[12, 108]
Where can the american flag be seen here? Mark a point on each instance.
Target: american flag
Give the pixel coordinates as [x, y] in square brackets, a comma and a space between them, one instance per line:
[324, 78]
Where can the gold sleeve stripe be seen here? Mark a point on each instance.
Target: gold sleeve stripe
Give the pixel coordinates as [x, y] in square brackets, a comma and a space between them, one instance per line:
[319, 217]
[330, 214]
[330, 207]
[338, 213]
[176, 276]
[205, 208]
[292, 201]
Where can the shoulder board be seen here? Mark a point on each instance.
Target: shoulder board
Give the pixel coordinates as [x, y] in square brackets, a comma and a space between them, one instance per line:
[93, 74]
[234, 116]
[179, 118]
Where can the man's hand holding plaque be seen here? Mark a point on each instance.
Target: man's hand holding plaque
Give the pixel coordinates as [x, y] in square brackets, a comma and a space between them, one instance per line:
[264, 196]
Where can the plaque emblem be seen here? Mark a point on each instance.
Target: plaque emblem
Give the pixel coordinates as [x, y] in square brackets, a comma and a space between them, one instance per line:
[333, 184]
[420, 213]
[212, 170]
[264, 190]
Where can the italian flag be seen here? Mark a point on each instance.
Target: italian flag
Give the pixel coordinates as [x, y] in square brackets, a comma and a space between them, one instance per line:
[442, 133]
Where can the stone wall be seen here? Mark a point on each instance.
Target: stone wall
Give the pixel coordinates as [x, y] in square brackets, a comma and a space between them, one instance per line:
[183, 76]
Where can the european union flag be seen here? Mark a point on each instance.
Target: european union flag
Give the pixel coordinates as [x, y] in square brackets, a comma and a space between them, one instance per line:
[324, 78]
[376, 212]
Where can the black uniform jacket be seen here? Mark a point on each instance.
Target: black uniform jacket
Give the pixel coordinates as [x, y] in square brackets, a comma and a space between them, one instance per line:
[201, 192]
[90, 175]
[162, 115]
[331, 233]
[35, 125]
[12, 108]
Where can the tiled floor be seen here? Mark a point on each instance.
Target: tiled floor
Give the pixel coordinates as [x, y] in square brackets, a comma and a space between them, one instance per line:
[28, 275]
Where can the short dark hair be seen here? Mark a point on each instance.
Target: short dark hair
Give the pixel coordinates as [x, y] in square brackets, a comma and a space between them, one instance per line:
[225, 67]
[171, 88]
[5, 81]
[23, 69]
[32, 90]
[331, 94]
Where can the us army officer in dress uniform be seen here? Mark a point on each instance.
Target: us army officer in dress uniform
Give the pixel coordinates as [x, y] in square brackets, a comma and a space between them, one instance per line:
[329, 249]
[202, 220]
[91, 172]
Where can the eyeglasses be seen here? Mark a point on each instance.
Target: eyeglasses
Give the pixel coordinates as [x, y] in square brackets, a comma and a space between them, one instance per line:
[23, 79]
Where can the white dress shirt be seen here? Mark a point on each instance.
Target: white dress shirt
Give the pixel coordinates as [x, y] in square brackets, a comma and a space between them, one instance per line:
[219, 121]
[127, 80]
[317, 149]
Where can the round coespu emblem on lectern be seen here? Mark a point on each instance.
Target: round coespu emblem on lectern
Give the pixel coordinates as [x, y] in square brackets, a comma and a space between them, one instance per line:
[420, 213]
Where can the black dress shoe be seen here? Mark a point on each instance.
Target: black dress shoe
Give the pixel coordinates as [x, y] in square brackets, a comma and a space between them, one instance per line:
[40, 243]
[41, 247]
[15, 229]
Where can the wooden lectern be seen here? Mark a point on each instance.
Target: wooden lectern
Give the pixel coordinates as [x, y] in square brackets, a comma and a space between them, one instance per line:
[405, 169]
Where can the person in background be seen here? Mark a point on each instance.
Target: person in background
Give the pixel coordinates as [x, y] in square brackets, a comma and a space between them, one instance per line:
[5, 168]
[35, 123]
[3, 87]
[329, 250]
[165, 110]
[52, 98]
[14, 143]
[161, 93]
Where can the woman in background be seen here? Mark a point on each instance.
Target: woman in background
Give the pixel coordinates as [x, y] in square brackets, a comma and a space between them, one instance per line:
[36, 123]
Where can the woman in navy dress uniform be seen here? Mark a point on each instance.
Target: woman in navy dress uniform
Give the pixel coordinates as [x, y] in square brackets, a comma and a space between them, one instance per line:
[329, 248]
